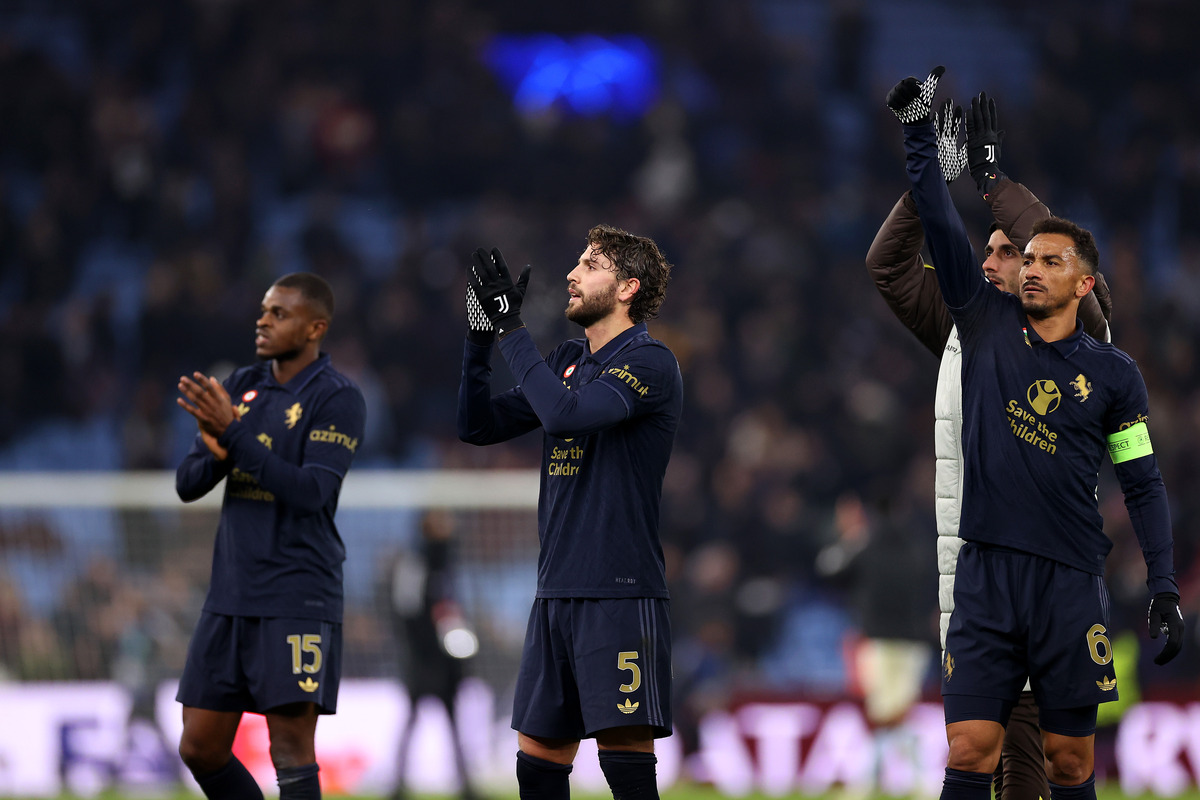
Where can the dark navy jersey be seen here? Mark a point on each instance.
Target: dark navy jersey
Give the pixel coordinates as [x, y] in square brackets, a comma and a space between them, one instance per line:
[609, 420]
[1038, 416]
[278, 552]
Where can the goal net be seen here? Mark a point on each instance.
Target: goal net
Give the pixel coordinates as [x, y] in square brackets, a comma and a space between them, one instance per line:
[102, 580]
[103, 574]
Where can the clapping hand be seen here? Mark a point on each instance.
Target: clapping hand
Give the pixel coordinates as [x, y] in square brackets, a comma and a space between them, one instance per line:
[493, 285]
[206, 399]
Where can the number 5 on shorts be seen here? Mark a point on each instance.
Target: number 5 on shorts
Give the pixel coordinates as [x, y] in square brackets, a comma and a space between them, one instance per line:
[625, 660]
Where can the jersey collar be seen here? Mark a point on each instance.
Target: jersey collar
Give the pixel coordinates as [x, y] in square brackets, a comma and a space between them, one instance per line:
[617, 343]
[302, 378]
[1065, 347]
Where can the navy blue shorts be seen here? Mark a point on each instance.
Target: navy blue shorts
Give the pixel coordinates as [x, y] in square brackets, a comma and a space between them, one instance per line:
[259, 663]
[1019, 615]
[589, 665]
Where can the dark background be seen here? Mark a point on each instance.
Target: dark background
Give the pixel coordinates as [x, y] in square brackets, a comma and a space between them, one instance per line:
[162, 161]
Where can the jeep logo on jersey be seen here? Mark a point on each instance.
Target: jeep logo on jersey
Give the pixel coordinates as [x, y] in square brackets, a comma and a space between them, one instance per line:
[1044, 396]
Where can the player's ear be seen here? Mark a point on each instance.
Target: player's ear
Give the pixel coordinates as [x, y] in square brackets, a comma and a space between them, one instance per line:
[317, 329]
[630, 288]
[1086, 282]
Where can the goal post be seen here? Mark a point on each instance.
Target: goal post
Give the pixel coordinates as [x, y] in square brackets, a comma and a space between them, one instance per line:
[386, 489]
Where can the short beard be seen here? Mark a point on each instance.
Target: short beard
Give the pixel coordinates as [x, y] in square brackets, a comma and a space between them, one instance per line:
[1043, 309]
[593, 309]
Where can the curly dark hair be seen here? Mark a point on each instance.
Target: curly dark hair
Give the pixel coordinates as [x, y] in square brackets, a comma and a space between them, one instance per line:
[635, 257]
[1085, 243]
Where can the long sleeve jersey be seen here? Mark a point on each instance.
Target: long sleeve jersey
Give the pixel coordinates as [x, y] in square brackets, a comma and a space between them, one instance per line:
[278, 552]
[1038, 416]
[910, 289]
[609, 421]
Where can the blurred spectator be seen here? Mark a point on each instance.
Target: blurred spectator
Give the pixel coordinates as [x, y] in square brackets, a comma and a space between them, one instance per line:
[150, 650]
[90, 620]
[434, 637]
[882, 558]
[882, 561]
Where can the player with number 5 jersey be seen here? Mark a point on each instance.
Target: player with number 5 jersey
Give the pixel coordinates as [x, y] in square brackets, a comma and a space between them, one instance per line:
[597, 655]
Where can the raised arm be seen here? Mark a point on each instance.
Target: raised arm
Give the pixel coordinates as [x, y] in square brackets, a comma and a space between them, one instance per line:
[957, 268]
[1015, 208]
[483, 418]
[563, 412]
[906, 284]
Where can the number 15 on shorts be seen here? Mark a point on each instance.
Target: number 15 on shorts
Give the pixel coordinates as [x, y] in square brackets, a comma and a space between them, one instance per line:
[308, 644]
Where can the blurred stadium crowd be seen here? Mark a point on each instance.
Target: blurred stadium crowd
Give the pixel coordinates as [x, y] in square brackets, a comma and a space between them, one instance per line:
[161, 161]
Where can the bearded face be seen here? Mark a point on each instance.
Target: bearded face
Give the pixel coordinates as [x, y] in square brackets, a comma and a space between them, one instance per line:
[1050, 275]
[592, 286]
[586, 310]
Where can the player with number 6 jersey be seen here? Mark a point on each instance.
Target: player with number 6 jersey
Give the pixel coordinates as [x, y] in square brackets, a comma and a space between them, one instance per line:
[912, 292]
[1043, 402]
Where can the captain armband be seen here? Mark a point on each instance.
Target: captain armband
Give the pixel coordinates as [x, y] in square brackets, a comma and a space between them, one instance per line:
[1130, 443]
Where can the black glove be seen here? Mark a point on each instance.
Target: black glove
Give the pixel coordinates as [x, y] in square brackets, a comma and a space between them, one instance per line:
[983, 142]
[479, 327]
[952, 156]
[912, 100]
[1164, 617]
[493, 285]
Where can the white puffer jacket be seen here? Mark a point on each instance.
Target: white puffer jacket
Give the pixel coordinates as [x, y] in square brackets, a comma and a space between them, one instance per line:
[947, 482]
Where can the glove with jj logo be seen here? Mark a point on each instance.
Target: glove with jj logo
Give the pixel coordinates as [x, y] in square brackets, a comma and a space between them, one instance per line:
[983, 143]
[499, 298]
